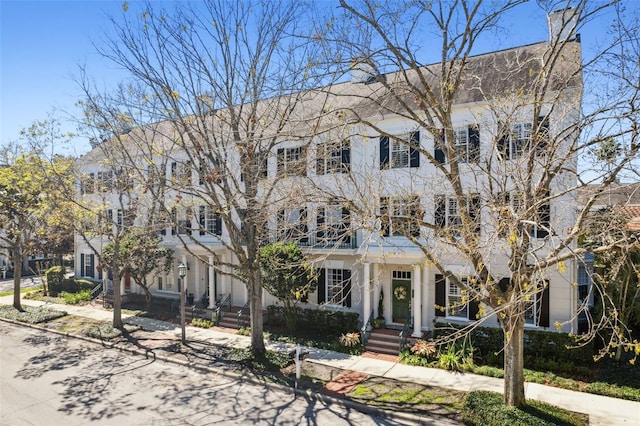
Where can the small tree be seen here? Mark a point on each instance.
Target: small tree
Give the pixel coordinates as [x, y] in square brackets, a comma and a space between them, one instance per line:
[287, 275]
[142, 255]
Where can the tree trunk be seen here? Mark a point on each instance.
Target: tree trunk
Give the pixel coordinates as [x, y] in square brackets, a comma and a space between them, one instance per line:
[117, 301]
[514, 361]
[17, 275]
[255, 305]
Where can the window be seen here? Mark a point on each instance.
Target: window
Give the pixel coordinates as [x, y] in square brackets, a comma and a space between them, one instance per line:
[181, 173]
[210, 221]
[452, 301]
[516, 211]
[333, 224]
[105, 181]
[260, 164]
[155, 177]
[159, 280]
[448, 216]
[292, 161]
[536, 309]
[87, 184]
[125, 218]
[457, 301]
[585, 272]
[400, 216]
[182, 220]
[398, 152]
[334, 287]
[292, 225]
[124, 180]
[333, 158]
[522, 137]
[87, 262]
[467, 145]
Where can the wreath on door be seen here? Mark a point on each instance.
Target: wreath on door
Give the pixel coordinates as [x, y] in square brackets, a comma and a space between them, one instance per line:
[400, 292]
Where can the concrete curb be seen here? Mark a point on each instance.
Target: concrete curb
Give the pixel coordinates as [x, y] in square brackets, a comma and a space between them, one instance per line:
[307, 394]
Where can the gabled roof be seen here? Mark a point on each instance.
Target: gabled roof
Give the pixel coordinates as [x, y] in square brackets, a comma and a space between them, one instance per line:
[632, 213]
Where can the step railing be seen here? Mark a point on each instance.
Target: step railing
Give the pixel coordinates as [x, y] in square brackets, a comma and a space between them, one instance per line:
[365, 331]
[96, 290]
[404, 334]
[220, 308]
[243, 315]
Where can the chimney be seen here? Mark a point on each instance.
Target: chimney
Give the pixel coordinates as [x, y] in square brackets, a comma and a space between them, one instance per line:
[563, 25]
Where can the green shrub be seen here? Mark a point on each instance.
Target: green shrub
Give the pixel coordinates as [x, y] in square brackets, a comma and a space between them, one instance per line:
[316, 321]
[201, 322]
[406, 357]
[31, 314]
[75, 298]
[487, 409]
[456, 358]
[54, 277]
[614, 391]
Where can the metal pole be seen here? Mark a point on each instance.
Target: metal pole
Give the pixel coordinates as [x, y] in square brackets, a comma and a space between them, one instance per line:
[182, 313]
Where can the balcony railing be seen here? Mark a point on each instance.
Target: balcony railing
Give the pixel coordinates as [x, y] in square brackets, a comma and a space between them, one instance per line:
[320, 240]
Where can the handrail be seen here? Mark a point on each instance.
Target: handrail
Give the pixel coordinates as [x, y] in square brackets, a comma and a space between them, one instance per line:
[219, 306]
[242, 314]
[404, 334]
[95, 290]
[364, 331]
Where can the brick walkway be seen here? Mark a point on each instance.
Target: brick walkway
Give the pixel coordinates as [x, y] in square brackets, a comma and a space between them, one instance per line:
[343, 383]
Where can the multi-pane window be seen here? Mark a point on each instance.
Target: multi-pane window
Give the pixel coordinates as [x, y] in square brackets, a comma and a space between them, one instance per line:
[210, 221]
[333, 224]
[457, 301]
[87, 186]
[181, 173]
[530, 308]
[535, 222]
[292, 161]
[292, 225]
[155, 177]
[104, 181]
[333, 157]
[466, 145]
[334, 287]
[125, 218]
[448, 214]
[400, 152]
[521, 138]
[400, 216]
[182, 219]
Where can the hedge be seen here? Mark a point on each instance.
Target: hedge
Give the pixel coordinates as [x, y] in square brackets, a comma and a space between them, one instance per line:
[329, 323]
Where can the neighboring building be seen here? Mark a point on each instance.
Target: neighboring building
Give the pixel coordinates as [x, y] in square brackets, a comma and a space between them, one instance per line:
[374, 259]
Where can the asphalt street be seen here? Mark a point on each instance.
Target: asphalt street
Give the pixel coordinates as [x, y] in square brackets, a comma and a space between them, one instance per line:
[28, 282]
[47, 379]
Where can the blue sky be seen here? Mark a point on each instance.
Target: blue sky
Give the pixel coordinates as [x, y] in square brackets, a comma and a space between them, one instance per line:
[43, 42]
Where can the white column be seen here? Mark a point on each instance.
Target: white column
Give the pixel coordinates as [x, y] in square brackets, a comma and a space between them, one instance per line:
[366, 301]
[212, 290]
[429, 296]
[376, 289]
[416, 306]
[198, 277]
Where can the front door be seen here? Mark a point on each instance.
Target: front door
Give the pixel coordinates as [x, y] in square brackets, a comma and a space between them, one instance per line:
[401, 296]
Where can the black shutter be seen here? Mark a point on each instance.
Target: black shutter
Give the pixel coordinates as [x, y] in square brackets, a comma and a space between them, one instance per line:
[218, 225]
[504, 148]
[322, 286]
[346, 287]
[543, 306]
[265, 166]
[414, 149]
[174, 167]
[303, 229]
[280, 168]
[474, 211]
[384, 216]
[542, 136]
[504, 284]
[83, 273]
[281, 226]
[474, 144]
[320, 223]
[92, 265]
[438, 143]
[544, 220]
[384, 152]
[474, 308]
[202, 219]
[321, 153]
[440, 216]
[441, 296]
[346, 155]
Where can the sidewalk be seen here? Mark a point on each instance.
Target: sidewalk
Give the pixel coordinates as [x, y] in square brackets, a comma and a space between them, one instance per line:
[602, 410]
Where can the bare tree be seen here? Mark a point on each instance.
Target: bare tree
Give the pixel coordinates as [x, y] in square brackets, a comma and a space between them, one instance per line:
[225, 84]
[497, 194]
